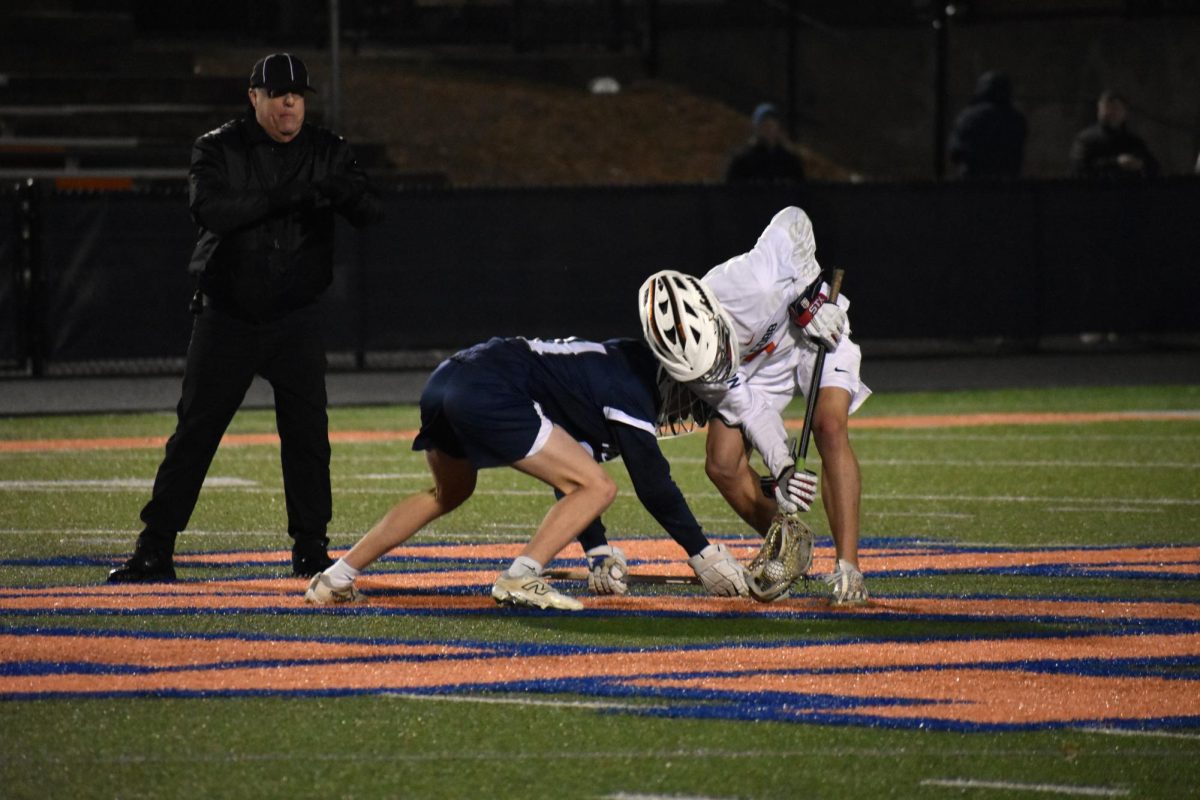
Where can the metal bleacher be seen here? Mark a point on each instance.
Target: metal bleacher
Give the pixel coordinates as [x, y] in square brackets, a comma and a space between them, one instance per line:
[85, 104]
[82, 104]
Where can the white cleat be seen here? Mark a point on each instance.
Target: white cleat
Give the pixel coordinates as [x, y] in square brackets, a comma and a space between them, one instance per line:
[321, 593]
[531, 590]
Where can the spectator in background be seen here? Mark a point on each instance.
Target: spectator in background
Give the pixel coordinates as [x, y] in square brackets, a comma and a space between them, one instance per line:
[1108, 149]
[988, 140]
[767, 157]
[263, 189]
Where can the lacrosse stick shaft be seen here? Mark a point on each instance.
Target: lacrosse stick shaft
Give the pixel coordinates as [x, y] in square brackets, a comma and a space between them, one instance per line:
[814, 385]
[633, 577]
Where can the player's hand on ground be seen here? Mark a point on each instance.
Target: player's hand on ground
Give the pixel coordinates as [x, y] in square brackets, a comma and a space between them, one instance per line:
[795, 490]
[607, 570]
[719, 572]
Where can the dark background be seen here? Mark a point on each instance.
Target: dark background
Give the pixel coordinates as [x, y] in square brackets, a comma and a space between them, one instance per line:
[1016, 266]
[518, 202]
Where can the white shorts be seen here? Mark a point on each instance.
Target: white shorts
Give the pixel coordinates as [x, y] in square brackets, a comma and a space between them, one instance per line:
[780, 383]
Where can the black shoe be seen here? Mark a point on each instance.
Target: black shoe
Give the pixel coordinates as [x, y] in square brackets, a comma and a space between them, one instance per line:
[309, 558]
[145, 566]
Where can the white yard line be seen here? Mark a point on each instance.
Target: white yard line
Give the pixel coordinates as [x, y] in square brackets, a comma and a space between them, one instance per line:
[1024, 437]
[141, 484]
[1148, 734]
[1053, 463]
[947, 514]
[392, 476]
[1094, 501]
[251, 487]
[521, 701]
[1093, 510]
[1045, 788]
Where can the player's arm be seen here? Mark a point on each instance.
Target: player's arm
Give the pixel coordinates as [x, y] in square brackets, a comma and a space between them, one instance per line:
[650, 473]
[719, 572]
[762, 426]
[222, 208]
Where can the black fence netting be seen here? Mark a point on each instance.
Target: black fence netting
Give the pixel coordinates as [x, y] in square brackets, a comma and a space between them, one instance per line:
[1017, 262]
[10, 277]
[115, 267]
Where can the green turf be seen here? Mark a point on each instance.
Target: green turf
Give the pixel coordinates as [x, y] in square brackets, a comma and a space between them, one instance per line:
[1103, 483]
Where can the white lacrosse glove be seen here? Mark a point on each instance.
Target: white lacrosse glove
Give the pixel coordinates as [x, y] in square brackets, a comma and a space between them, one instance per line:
[719, 572]
[607, 570]
[795, 490]
[823, 322]
[827, 325]
[849, 588]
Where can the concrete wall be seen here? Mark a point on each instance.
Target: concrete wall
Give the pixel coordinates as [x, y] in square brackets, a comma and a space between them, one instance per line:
[866, 95]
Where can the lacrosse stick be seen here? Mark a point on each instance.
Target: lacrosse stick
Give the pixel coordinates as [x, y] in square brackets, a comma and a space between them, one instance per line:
[633, 577]
[786, 551]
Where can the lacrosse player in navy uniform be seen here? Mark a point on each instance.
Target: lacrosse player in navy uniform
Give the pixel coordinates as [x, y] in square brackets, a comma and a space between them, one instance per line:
[753, 325]
[553, 410]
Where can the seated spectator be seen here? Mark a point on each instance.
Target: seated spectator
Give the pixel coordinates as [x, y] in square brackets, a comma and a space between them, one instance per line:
[767, 157]
[988, 140]
[1108, 149]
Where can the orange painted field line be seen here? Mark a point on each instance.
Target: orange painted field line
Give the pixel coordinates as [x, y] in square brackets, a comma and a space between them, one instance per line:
[151, 442]
[978, 696]
[865, 423]
[882, 558]
[421, 591]
[949, 680]
[1014, 418]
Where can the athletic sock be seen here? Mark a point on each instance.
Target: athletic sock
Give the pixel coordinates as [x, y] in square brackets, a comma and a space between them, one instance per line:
[341, 574]
[523, 567]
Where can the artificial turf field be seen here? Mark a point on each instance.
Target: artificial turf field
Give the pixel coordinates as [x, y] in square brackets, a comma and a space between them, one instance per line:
[1034, 630]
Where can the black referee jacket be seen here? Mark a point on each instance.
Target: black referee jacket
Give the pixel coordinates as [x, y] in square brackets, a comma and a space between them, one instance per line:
[266, 235]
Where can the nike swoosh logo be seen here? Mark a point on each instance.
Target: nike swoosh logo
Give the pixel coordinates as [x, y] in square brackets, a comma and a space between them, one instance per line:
[839, 369]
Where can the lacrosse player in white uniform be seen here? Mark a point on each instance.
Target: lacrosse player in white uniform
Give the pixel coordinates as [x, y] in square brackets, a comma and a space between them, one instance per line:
[743, 339]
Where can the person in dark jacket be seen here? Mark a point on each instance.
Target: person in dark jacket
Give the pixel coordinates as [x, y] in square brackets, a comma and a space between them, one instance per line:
[263, 189]
[766, 158]
[988, 139]
[1108, 149]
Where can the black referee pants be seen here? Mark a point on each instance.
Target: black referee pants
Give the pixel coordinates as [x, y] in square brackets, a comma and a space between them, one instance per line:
[223, 357]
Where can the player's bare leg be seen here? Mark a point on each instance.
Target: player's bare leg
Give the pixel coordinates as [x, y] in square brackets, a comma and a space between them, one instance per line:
[587, 491]
[453, 483]
[728, 467]
[841, 481]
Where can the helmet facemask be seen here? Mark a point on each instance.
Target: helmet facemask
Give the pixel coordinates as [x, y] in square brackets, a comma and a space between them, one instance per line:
[680, 411]
[726, 355]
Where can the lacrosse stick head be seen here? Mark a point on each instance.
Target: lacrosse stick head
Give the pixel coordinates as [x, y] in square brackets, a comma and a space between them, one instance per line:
[686, 328]
[680, 411]
[786, 554]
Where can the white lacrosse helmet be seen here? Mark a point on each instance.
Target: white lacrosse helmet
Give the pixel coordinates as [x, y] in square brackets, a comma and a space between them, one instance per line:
[686, 328]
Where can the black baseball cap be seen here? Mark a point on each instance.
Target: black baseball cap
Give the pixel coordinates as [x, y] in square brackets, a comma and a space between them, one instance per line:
[280, 72]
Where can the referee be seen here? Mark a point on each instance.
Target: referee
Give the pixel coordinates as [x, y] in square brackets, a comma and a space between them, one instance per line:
[263, 190]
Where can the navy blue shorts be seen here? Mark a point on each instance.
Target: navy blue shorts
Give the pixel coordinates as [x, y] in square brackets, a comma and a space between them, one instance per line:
[473, 412]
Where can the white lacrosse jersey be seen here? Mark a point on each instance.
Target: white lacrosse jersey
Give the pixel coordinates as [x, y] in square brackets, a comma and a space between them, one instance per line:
[755, 290]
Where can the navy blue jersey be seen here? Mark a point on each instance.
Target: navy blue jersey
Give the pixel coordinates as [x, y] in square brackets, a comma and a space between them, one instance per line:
[495, 402]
